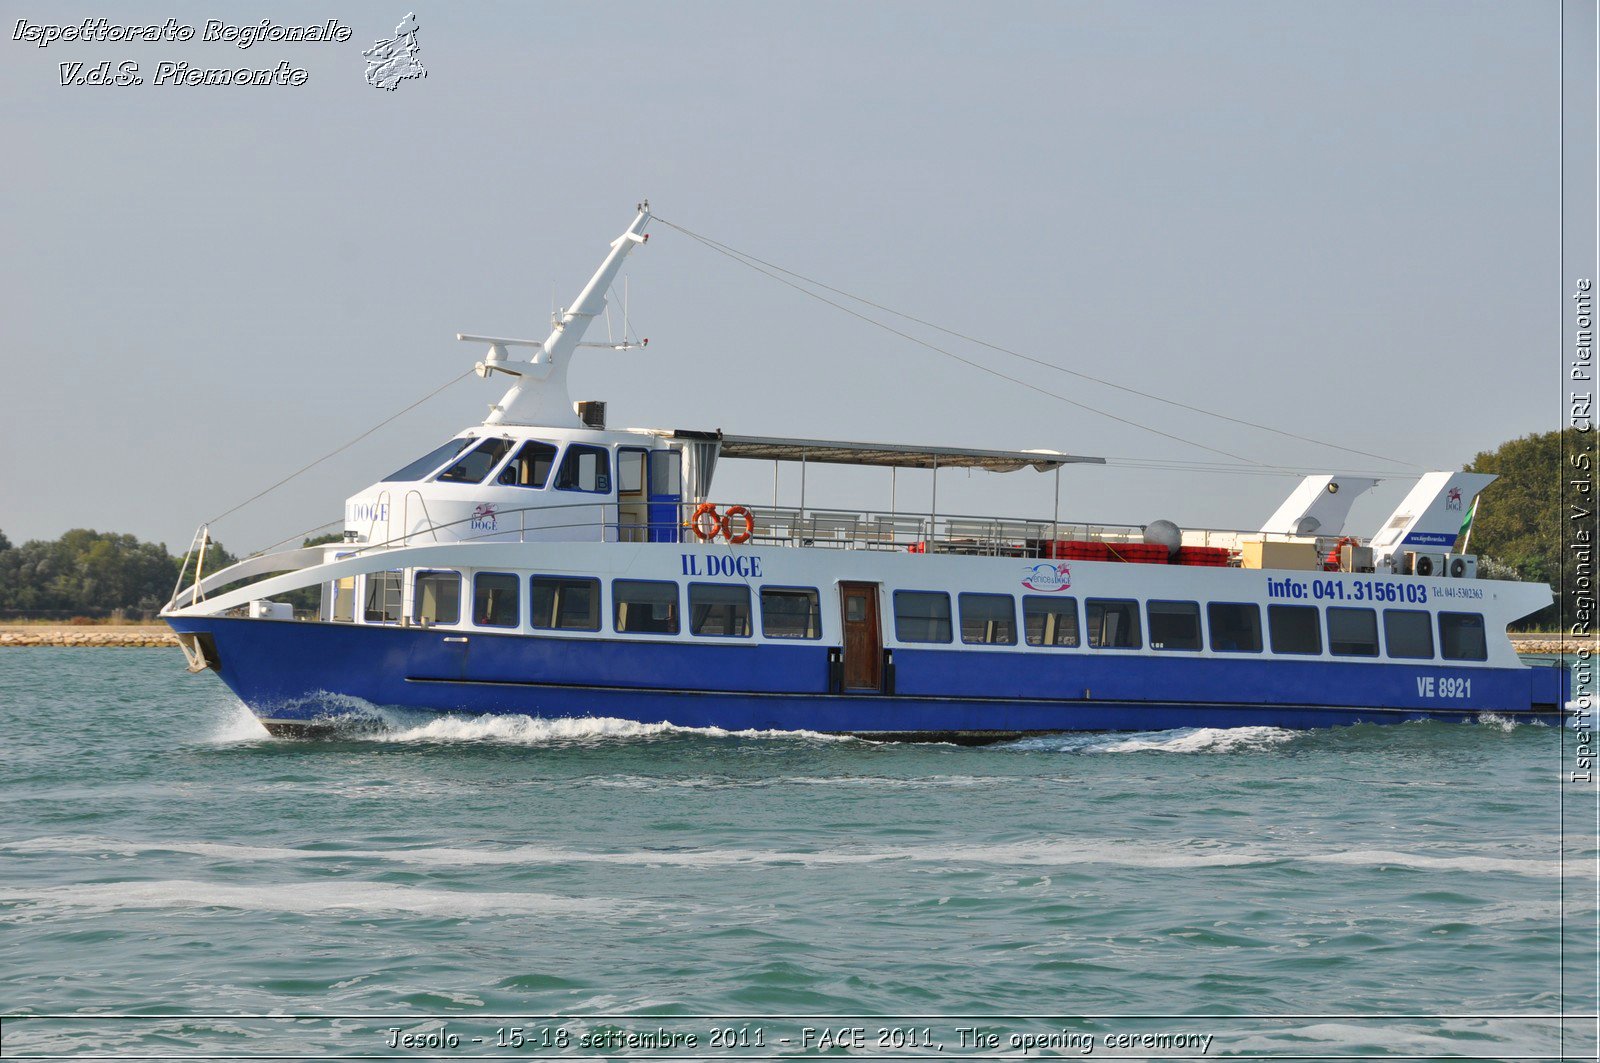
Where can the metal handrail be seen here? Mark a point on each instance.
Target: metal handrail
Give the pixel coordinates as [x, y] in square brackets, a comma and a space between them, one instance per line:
[788, 526]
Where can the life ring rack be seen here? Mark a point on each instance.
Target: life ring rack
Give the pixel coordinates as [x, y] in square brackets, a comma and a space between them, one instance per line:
[1331, 562]
[707, 523]
[741, 513]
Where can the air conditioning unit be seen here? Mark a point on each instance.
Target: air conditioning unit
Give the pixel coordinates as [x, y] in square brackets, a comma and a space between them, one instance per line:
[1461, 566]
[1416, 563]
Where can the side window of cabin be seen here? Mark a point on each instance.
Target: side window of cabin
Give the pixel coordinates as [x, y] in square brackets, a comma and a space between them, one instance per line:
[477, 463]
[344, 600]
[790, 613]
[922, 616]
[1408, 633]
[1113, 623]
[1235, 627]
[1295, 629]
[1050, 621]
[648, 606]
[1352, 632]
[436, 598]
[564, 603]
[1461, 637]
[1174, 625]
[429, 461]
[530, 467]
[988, 619]
[719, 609]
[382, 602]
[494, 600]
[585, 468]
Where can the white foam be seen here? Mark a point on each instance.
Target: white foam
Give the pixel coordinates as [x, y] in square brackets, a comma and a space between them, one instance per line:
[236, 724]
[1424, 862]
[537, 730]
[1180, 740]
[341, 895]
[875, 782]
[1050, 853]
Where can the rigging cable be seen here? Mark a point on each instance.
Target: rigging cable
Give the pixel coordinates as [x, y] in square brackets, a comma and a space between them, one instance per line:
[340, 450]
[757, 264]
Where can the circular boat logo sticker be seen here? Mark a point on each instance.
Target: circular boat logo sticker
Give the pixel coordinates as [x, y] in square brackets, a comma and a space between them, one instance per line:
[1051, 578]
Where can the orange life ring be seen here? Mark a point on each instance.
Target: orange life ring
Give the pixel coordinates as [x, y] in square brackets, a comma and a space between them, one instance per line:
[743, 513]
[698, 523]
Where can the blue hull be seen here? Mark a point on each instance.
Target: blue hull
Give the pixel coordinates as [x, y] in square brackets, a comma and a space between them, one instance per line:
[298, 675]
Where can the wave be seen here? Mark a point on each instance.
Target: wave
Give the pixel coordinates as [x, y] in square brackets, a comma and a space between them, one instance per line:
[1424, 862]
[1060, 853]
[237, 725]
[305, 898]
[1179, 740]
[359, 719]
[876, 782]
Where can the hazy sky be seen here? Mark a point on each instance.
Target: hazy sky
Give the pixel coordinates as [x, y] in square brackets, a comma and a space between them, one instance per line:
[1337, 219]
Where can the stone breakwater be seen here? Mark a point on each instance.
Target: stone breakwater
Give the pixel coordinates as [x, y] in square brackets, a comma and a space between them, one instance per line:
[1551, 645]
[88, 636]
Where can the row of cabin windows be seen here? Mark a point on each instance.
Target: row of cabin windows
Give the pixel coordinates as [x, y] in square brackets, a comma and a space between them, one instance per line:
[572, 603]
[583, 468]
[1114, 624]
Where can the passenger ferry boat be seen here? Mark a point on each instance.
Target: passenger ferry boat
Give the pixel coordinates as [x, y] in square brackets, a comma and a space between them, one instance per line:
[542, 564]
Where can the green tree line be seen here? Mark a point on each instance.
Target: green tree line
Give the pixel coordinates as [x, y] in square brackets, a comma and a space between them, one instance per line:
[91, 573]
[1522, 530]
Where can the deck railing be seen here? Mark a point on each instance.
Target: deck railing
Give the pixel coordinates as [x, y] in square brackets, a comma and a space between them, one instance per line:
[811, 528]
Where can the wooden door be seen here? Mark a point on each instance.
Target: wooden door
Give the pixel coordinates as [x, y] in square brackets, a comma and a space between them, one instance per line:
[863, 640]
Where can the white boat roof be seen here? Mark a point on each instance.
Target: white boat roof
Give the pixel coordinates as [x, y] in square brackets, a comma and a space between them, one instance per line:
[897, 455]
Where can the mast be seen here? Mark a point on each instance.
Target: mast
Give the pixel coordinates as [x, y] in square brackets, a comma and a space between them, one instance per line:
[539, 394]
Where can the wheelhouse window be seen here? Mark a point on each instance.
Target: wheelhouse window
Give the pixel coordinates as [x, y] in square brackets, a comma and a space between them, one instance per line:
[585, 468]
[475, 464]
[1295, 629]
[719, 609]
[1408, 633]
[436, 598]
[922, 616]
[494, 600]
[1174, 625]
[988, 620]
[530, 467]
[1352, 632]
[791, 613]
[1461, 637]
[1235, 627]
[647, 606]
[430, 461]
[382, 602]
[564, 603]
[1050, 621]
[1113, 623]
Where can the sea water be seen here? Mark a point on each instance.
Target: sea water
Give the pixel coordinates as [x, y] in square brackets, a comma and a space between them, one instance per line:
[171, 878]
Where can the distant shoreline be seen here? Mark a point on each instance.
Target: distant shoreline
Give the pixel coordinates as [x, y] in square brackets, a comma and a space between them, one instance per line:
[150, 635]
